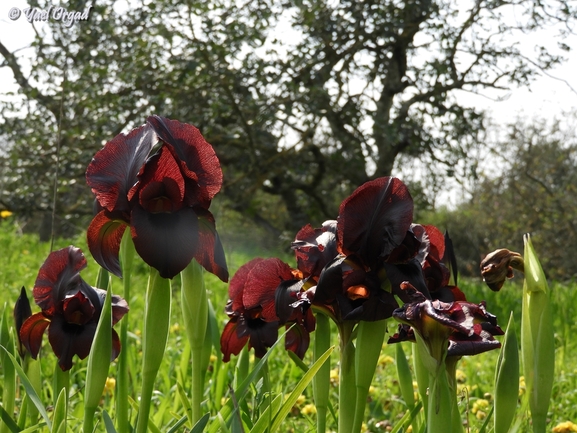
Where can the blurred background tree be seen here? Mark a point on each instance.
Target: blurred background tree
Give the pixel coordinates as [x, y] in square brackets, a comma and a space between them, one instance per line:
[302, 100]
[533, 190]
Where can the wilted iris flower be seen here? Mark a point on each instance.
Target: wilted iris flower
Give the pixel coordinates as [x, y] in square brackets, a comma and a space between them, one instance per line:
[497, 266]
[251, 308]
[70, 307]
[163, 197]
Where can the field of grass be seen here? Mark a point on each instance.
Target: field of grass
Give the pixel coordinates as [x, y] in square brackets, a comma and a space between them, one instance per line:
[22, 255]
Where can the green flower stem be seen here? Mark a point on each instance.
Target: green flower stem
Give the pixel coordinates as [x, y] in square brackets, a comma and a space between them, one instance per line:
[404, 375]
[35, 377]
[195, 313]
[98, 363]
[322, 380]
[60, 381]
[154, 338]
[537, 339]
[347, 385]
[370, 336]
[242, 366]
[440, 418]
[127, 253]
[9, 373]
[422, 375]
[451, 369]
[406, 381]
[432, 354]
[507, 380]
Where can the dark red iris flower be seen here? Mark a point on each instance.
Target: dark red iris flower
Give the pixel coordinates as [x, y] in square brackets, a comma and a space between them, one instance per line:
[349, 260]
[468, 328]
[70, 307]
[373, 221]
[251, 309]
[163, 197]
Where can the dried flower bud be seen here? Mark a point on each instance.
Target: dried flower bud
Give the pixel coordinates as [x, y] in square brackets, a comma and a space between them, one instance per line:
[497, 266]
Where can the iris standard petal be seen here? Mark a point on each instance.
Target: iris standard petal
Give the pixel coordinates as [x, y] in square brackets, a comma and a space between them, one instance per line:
[261, 286]
[104, 235]
[238, 282]
[165, 241]
[374, 219]
[58, 275]
[160, 186]
[314, 248]
[114, 169]
[198, 159]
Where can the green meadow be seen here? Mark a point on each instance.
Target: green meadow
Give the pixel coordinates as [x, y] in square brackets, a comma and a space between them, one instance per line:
[21, 255]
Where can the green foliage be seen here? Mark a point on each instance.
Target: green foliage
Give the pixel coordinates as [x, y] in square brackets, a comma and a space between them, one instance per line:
[303, 101]
[386, 406]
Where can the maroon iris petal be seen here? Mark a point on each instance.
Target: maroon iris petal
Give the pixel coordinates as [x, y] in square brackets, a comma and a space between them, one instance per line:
[115, 346]
[77, 309]
[210, 253]
[68, 340]
[197, 157]
[161, 184]
[297, 339]
[104, 235]
[262, 334]
[374, 219]
[261, 286]
[32, 331]
[114, 169]
[238, 282]
[314, 248]
[230, 343]
[437, 242]
[166, 241]
[287, 300]
[58, 275]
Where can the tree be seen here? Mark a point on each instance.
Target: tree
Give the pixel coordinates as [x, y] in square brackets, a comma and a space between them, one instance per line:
[534, 192]
[303, 100]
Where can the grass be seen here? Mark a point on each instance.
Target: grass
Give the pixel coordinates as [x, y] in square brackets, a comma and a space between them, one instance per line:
[21, 255]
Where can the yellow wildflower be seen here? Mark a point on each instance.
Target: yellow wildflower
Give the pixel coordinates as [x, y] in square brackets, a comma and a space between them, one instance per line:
[565, 427]
[5, 213]
[522, 386]
[335, 376]
[109, 385]
[385, 360]
[300, 400]
[460, 376]
[480, 405]
[309, 409]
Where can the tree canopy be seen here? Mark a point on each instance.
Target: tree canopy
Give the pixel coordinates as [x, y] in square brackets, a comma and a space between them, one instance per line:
[302, 100]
